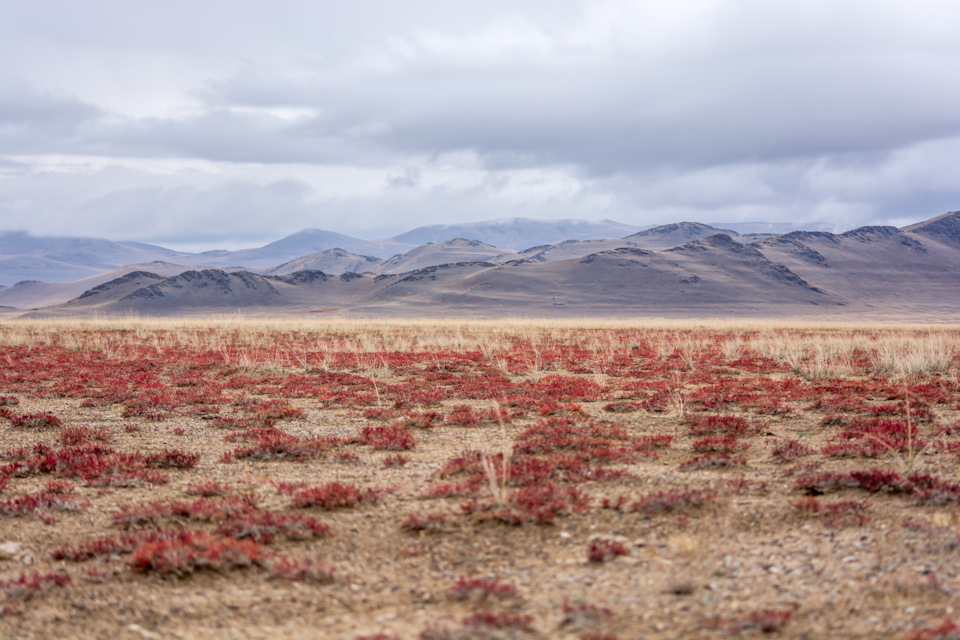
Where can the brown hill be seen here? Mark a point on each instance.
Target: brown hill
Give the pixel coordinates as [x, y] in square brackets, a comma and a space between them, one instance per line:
[331, 261]
[873, 266]
[944, 229]
[449, 252]
[868, 271]
[32, 294]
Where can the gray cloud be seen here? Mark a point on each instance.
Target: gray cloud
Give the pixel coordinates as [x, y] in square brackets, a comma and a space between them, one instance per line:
[437, 111]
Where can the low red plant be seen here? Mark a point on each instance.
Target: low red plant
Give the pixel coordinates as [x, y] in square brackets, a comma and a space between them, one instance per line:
[604, 550]
[333, 495]
[26, 585]
[36, 420]
[314, 570]
[191, 551]
[481, 589]
[391, 438]
[713, 461]
[263, 526]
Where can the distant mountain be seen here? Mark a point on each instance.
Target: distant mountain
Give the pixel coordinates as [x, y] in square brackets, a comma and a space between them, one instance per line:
[516, 234]
[449, 252]
[61, 259]
[670, 235]
[289, 248]
[662, 237]
[686, 268]
[332, 261]
[879, 267]
[944, 229]
[712, 274]
[32, 294]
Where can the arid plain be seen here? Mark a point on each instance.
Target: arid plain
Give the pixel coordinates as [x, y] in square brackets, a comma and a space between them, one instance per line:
[223, 477]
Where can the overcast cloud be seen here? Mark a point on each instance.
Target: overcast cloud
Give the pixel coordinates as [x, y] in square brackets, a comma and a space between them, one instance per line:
[229, 123]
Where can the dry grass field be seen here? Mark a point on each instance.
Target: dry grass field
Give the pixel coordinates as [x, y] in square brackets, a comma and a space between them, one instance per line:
[240, 478]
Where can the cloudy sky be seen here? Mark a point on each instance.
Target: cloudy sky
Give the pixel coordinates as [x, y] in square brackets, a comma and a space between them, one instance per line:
[235, 122]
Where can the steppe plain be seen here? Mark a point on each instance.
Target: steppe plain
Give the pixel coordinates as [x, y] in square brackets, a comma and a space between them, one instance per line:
[315, 477]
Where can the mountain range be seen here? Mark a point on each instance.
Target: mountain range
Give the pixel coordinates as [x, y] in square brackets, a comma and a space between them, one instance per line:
[678, 269]
[55, 259]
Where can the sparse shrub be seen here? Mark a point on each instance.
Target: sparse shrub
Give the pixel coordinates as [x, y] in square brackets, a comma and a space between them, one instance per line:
[462, 416]
[660, 501]
[481, 589]
[767, 621]
[946, 630]
[391, 438]
[604, 550]
[191, 551]
[171, 459]
[99, 547]
[73, 436]
[719, 444]
[333, 495]
[837, 514]
[722, 425]
[450, 490]
[429, 522]
[713, 461]
[37, 503]
[206, 489]
[263, 526]
[874, 481]
[396, 460]
[27, 585]
[36, 420]
[314, 570]
[537, 504]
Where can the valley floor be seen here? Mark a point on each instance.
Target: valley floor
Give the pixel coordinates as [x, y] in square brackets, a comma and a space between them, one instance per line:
[238, 478]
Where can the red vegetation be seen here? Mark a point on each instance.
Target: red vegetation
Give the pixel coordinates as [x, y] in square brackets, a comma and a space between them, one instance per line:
[26, 585]
[481, 589]
[391, 438]
[605, 550]
[333, 495]
[314, 570]
[35, 420]
[191, 551]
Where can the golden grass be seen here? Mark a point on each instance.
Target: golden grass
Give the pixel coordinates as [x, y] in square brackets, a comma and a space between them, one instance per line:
[815, 350]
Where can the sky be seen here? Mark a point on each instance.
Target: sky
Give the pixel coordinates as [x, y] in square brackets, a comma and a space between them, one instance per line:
[229, 123]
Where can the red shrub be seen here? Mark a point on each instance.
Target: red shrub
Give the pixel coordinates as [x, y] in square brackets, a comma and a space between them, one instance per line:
[99, 547]
[713, 461]
[333, 495]
[481, 589]
[661, 501]
[946, 630]
[72, 436]
[314, 570]
[539, 504]
[36, 420]
[39, 502]
[767, 621]
[430, 522]
[171, 459]
[605, 550]
[396, 460]
[391, 438]
[26, 585]
[719, 444]
[263, 526]
[191, 551]
[722, 425]
[206, 489]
